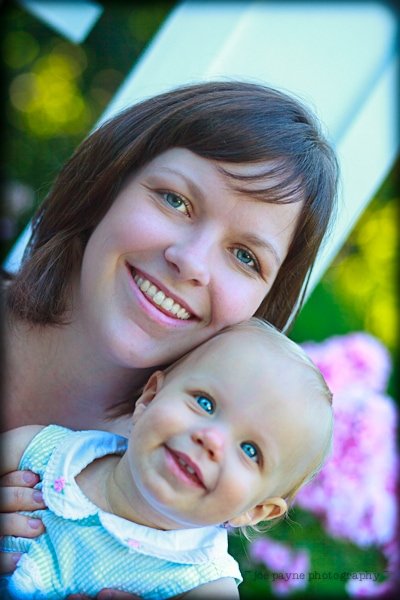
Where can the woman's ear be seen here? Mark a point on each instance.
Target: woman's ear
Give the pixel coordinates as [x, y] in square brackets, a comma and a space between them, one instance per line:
[272, 508]
[151, 388]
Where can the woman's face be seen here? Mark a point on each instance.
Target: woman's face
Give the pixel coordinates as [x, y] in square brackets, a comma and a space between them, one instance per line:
[179, 255]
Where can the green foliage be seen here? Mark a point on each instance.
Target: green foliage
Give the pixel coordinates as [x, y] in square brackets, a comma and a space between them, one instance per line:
[332, 561]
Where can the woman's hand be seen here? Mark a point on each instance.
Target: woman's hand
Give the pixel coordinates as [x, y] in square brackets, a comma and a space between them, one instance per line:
[16, 494]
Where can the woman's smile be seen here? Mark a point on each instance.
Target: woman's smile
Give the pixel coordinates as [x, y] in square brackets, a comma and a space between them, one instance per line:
[162, 298]
[146, 301]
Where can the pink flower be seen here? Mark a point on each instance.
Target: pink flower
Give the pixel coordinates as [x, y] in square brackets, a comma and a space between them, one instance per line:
[289, 568]
[274, 555]
[353, 359]
[367, 588]
[355, 493]
[133, 543]
[59, 484]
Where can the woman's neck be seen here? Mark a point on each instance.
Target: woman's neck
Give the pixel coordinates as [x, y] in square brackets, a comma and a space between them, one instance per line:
[54, 376]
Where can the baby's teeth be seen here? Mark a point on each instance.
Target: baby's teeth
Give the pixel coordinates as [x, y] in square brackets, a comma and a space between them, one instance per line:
[183, 463]
[159, 297]
[167, 303]
[151, 291]
[145, 285]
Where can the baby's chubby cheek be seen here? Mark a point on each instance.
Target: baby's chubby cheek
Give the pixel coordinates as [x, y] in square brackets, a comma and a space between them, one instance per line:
[237, 496]
[162, 419]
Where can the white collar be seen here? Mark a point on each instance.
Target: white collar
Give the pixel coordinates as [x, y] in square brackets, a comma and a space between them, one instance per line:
[64, 497]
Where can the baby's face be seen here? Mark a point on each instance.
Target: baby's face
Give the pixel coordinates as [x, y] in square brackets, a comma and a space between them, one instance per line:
[218, 435]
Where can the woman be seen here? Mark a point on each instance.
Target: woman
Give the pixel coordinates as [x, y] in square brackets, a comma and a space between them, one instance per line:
[188, 212]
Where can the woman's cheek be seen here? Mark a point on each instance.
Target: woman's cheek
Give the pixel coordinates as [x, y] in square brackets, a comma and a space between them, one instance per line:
[144, 232]
[239, 300]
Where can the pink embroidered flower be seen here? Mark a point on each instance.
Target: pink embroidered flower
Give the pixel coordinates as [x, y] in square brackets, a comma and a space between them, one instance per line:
[133, 543]
[59, 484]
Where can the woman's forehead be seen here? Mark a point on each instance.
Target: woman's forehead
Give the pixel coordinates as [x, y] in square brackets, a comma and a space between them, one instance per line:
[268, 181]
[265, 181]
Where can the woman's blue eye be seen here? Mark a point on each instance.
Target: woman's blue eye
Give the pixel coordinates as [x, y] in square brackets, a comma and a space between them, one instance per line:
[250, 450]
[175, 201]
[245, 257]
[206, 404]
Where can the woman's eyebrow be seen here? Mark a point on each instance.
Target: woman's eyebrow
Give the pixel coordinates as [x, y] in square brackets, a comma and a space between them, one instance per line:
[193, 188]
[254, 240]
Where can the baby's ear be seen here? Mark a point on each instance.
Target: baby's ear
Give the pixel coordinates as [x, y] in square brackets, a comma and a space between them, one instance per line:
[152, 387]
[272, 508]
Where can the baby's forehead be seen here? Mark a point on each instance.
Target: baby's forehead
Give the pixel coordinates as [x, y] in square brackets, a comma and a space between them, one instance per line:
[234, 351]
[247, 350]
[239, 340]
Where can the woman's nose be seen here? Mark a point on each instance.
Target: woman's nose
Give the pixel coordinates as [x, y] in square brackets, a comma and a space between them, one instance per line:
[191, 261]
[212, 440]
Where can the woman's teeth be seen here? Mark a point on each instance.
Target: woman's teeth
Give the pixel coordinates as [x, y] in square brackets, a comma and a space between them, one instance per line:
[159, 298]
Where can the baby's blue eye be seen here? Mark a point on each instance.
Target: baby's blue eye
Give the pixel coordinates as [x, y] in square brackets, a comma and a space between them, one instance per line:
[206, 404]
[250, 450]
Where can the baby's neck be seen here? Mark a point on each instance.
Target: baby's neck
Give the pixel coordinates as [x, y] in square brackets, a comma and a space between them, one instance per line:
[108, 483]
[95, 479]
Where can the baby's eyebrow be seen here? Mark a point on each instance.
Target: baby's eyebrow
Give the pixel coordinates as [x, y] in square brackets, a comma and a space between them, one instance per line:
[269, 452]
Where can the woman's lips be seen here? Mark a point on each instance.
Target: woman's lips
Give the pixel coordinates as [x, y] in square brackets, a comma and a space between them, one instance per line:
[159, 298]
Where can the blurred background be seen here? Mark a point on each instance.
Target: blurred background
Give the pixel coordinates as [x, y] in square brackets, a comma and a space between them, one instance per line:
[55, 91]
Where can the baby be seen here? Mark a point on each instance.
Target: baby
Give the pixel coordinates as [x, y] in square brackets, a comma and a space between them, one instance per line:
[223, 438]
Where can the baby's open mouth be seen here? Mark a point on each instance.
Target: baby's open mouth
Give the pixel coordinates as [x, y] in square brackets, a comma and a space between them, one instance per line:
[187, 467]
[160, 299]
[190, 472]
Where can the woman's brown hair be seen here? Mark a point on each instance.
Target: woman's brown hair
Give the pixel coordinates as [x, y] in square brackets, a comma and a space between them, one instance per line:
[233, 122]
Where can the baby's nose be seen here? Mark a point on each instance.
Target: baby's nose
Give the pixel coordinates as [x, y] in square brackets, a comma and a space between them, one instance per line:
[212, 441]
